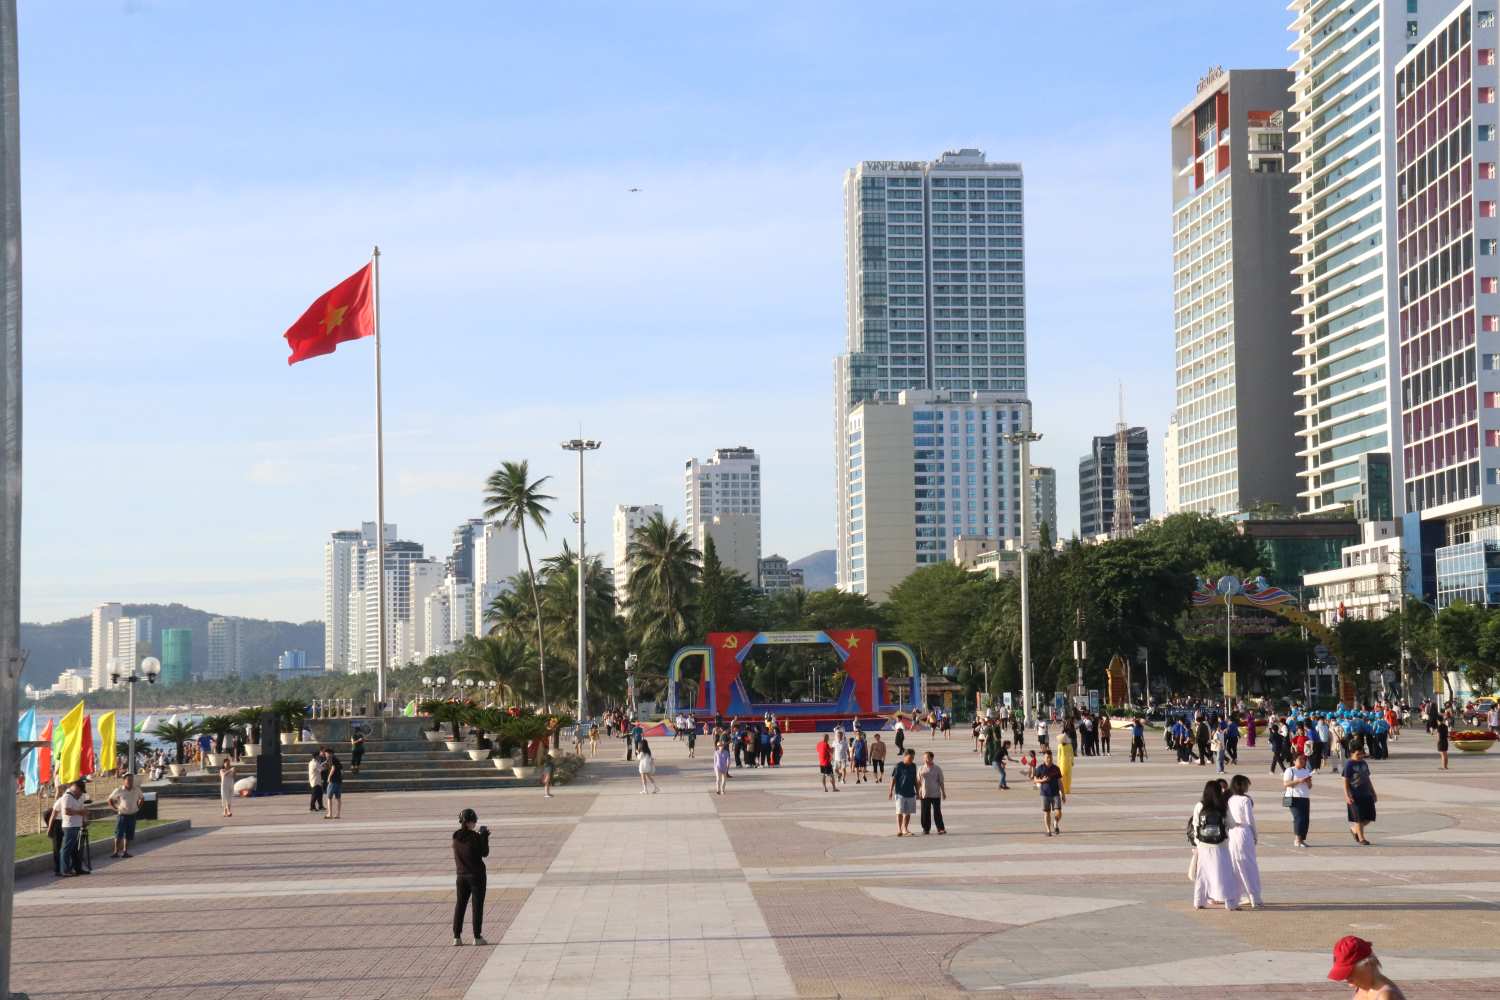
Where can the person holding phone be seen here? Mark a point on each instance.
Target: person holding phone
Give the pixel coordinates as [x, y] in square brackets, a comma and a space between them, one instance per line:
[470, 848]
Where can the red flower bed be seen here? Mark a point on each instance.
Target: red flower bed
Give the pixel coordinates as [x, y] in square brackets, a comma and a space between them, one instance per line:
[1474, 735]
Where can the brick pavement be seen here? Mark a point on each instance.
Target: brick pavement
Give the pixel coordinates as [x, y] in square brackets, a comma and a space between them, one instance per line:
[780, 890]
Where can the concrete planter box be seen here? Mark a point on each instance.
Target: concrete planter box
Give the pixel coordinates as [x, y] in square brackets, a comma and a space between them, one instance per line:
[215, 759]
[433, 735]
[454, 745]
[525, 772]
[287, 739]
[252, 749]
[177, 770]
[502, 763]
[479, 754]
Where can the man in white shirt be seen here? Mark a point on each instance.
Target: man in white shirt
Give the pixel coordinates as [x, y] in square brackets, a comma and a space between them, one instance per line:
[126, 802]
[1041, 732]
[69, 812]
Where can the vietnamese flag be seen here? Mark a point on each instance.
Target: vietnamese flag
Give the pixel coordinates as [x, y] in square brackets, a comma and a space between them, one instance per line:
[344, 312]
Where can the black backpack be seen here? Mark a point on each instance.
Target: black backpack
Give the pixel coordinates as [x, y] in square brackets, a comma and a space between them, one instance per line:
[1210, 828]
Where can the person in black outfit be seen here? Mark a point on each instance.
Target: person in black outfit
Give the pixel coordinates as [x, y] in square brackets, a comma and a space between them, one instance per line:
[1278, 747]
[470, 848]
[1203, 738]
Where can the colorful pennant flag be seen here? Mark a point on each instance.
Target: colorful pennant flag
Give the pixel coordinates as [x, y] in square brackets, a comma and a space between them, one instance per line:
[67, 745]
[107, 743]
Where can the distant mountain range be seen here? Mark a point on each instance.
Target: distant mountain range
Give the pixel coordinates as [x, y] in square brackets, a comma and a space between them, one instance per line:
[53, 648]
[819, 570]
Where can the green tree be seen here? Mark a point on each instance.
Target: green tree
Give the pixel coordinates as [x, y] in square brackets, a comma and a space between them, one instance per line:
[837, 609]
[512, 498]
[664, 573]
[933, 609]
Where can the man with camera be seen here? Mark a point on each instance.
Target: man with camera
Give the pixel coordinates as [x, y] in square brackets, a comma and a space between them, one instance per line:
[470, 848]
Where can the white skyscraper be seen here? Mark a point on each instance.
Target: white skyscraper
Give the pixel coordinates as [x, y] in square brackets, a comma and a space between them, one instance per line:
[1344, 136]
[101, 643]
[627, 519]
[343, 606]
[728, 483]
[424, 578]
[497, 558]
[398, 556]
[438, 620]
[936, 303]
[225, 649]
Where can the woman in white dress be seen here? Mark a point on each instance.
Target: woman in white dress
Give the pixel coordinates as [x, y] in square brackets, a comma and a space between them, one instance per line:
[226, 786]
[646, 765]
[1214, 881]
[1243, 838]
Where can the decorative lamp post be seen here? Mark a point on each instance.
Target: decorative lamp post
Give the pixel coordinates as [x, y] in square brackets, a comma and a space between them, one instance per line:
[150, 669]
[1025, 439]
[1228, 587]
[581, 445]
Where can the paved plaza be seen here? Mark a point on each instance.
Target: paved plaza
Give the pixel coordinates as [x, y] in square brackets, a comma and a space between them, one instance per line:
[781, 890]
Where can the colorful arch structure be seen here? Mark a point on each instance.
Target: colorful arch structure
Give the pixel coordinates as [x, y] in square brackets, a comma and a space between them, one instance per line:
[722, 692]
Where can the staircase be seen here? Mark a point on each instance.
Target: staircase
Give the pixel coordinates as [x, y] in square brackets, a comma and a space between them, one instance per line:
[404, 762]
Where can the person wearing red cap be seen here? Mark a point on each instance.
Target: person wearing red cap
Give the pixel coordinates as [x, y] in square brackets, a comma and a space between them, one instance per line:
[1354, 962]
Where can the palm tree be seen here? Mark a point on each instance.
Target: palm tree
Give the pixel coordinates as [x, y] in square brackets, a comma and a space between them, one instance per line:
[664, 570]
[493, 658]
[508, 614]
[512, 499]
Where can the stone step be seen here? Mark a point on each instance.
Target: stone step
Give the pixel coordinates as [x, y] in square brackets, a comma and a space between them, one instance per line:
[496, 779]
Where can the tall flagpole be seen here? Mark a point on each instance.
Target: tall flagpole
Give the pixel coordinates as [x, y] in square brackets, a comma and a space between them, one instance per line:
[379, 505]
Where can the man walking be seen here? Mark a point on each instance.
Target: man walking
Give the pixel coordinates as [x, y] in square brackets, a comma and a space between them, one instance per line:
[932, 791]
[825, 764]
[903, 789]
[1048, 779]
[1138, 740]
[315, 782]
[126, 802]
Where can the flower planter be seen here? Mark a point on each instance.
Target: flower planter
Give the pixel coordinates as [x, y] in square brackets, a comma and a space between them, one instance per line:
[454, 744]
[433, 735]
[1473, 746]
[215, 759]
[479, 754]
[177, 770]
[252, 749]
[525, 772]
[287, 739]
[501, 763]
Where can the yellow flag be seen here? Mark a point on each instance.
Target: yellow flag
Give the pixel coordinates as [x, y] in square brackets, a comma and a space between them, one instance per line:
[106, 751]
[69, 759]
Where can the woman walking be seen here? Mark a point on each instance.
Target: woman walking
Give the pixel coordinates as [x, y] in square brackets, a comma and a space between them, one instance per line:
[335, 792]
[1442, 740]
[904, 790]
[1001, 757]
[646, 765]
[1297, 782]
[1243, 838]
[1359, 794]
[721, 767]
[877, 759]
[1214, 880]
[226, 786]
[470, 848]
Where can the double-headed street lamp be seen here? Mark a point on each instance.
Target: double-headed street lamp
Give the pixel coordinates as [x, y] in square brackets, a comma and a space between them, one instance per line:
[1025, 438]
[150, 669]
[581, 445]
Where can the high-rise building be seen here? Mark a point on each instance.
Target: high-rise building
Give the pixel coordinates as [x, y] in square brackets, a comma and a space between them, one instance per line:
[102, 643]
[913, 486]
[497, 558]
[1043, 501]
[176, 655]
[1232, 319]
[935, 293]
[398, 556]
[777, 576]
[627, 519]
[1170, 478]
[728, 483]
[1096, 483]
[292, 659]
[343, 610]
[1447, 251]
[1344, 135]
[424, 578]
[125, 647]
[460, 564]
[736, 542]
[226, 649]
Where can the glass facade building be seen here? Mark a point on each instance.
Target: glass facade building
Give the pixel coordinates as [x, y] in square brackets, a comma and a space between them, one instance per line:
[1470, 570]
[176, 655]
[936, 300]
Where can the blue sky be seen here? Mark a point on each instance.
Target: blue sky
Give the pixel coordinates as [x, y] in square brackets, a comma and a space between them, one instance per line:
[195, 174]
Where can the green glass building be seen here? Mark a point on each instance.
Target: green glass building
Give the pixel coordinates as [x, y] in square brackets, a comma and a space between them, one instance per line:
[176, 655]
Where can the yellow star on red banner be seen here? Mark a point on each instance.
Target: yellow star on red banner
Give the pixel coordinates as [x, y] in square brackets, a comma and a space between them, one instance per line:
[851, 640]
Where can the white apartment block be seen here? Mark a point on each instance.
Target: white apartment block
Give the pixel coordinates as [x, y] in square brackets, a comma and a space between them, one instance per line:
[924, 470]
[1169, 467]
[337, 570]
[936, 301]
[497, 558]
[102, 643]
[1235, 434]
[728, 483]
[398, 557]
[226, 650]
[628, 517]
[1343, 135]
[736, 542]
[1370, 579]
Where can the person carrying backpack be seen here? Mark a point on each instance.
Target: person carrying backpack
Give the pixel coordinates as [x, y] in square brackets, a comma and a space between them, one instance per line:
[1211, 869]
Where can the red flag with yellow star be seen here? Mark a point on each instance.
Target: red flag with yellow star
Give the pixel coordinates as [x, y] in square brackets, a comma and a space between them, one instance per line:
[344, 312]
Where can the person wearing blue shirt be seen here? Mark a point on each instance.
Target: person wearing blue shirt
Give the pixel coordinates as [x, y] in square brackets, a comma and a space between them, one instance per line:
[1180, 741]
[1232, 741]
[1138, 740]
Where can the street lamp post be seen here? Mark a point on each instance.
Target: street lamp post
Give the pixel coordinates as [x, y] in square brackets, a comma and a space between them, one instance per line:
[581, 445]
[1025, 439]
[150, 670]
